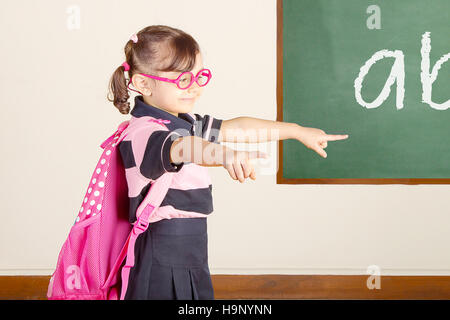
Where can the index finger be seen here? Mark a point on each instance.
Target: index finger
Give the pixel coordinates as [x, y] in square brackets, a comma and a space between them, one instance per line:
[334, 137]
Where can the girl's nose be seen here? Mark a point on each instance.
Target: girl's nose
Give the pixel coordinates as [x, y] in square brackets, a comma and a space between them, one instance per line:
[194, 87]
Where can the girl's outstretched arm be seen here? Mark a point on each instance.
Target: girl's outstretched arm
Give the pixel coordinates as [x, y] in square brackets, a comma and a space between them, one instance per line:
[254, 130]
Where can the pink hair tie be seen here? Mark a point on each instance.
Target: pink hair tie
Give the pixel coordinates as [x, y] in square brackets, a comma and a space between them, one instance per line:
[126, 66]
[134, 37]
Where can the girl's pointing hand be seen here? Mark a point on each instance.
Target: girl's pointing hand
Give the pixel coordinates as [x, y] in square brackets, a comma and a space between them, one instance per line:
[316, 139]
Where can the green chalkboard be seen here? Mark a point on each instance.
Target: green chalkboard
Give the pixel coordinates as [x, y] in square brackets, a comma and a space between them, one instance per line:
[324, 47]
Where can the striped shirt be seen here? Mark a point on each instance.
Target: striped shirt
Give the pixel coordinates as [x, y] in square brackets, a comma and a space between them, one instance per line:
[146, 156]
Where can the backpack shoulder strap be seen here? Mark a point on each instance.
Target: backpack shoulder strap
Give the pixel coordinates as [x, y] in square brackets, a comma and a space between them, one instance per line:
[118, 135]
[159, 186]
[151, 202]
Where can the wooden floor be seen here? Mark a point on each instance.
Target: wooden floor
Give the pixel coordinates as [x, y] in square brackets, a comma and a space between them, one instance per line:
[277, 287]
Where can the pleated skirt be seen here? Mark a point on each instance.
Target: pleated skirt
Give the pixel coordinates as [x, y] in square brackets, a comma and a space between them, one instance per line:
[171, 262]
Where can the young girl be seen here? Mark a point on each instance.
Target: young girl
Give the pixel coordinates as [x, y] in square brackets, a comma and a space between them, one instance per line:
[165, 65]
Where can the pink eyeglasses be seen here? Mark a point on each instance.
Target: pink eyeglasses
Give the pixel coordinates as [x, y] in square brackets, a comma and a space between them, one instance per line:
[184, 80]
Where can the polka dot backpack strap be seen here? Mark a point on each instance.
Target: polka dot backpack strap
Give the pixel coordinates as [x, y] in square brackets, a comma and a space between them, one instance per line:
[89, 262]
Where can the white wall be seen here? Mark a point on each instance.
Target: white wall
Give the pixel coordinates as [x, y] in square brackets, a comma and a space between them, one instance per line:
[55, 115]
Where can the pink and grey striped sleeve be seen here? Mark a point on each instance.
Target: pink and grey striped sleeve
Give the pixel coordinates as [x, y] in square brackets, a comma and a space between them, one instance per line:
[149, 153]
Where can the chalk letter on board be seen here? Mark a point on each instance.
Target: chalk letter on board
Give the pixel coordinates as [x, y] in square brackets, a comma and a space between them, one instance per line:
[374, 21]
[427, 78]
[397, 74]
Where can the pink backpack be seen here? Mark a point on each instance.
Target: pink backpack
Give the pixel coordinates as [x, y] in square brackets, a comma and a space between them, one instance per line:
[91, 259]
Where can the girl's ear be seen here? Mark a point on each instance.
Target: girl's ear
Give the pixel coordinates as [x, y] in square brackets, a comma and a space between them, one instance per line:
[142, 84]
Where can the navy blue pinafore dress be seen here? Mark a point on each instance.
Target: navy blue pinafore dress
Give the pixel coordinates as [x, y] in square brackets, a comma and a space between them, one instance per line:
[172, 262]
[171, 256]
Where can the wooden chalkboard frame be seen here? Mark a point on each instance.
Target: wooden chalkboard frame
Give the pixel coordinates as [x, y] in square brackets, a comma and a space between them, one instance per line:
[279, 90]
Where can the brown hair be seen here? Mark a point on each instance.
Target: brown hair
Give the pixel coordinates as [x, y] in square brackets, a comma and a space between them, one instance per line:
[161, 46]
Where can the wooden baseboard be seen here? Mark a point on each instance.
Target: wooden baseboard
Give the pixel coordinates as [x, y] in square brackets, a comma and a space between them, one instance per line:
[277, 287]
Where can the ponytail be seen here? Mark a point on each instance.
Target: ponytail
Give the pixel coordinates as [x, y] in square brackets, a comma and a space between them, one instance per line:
[119, 90]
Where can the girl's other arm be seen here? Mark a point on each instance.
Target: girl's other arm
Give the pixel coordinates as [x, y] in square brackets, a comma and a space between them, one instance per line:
[202, 152]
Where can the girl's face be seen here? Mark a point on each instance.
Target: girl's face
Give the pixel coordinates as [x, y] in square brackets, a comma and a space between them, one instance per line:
[167, 96]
